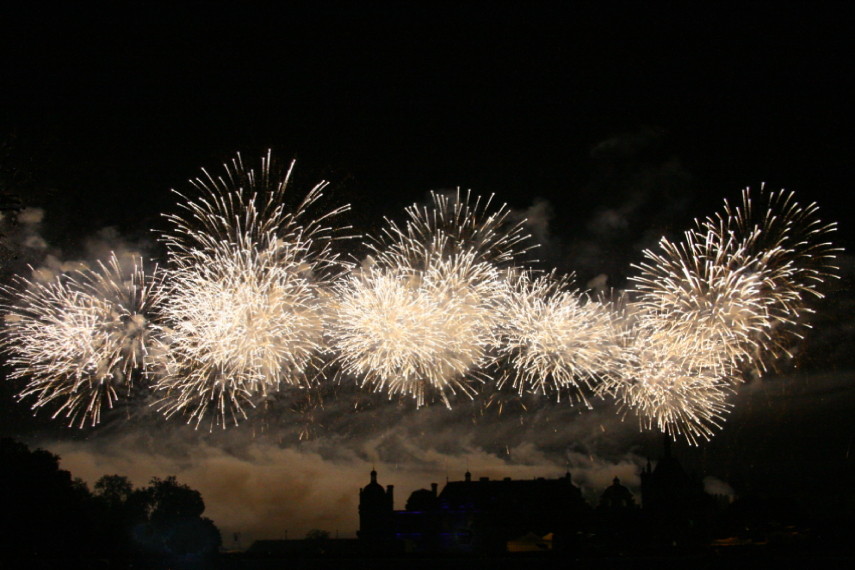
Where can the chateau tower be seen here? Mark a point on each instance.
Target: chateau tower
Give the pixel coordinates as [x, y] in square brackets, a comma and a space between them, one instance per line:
[375, 511]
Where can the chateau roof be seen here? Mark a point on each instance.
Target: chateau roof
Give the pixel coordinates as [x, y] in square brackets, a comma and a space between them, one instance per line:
[373, 489]
[485, 493]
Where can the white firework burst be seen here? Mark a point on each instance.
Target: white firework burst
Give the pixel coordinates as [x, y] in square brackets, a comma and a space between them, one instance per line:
[554, 337]
[414, 332]
[81, 340]
[248, 280]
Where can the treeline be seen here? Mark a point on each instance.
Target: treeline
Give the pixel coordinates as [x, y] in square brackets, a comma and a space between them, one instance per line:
[48, 515]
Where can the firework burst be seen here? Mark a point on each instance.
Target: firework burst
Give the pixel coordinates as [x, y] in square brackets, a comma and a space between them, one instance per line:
[420, 317]
[554, 337]
[82, 339]
[248, 280]
[669, 391]
[788, 246]
[728, 298]
[411, 331]
[674, 384]
[237, 325]
[699, 292]
[739, 280]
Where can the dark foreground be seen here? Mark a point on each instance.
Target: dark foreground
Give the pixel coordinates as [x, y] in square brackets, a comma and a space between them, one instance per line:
[734, 558]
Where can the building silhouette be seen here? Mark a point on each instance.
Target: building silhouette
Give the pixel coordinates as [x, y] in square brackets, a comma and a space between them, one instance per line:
[673, 501]
[617, 521]
[375, 512]
[497, 515]
[617, 497]
[480, 515]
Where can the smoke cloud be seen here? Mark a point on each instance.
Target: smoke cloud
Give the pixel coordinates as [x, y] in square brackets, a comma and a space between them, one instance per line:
[261, 480]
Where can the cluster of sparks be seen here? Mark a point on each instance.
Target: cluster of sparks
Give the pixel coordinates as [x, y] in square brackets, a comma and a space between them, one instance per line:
[255, 299]
[724, 301]
[80, 341]
[555, 337]
[247, 287]
[422, 314]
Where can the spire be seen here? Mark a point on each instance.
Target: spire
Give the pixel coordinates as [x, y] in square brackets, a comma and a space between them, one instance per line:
[373, 476]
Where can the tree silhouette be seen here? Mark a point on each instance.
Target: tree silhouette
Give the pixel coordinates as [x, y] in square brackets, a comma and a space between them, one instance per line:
[114, 490]
[121, 511]
[173, 525]
[44, 514]
[167, 500]
[47, 515]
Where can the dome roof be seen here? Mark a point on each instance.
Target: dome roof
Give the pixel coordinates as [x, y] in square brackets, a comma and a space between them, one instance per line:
[373, 489]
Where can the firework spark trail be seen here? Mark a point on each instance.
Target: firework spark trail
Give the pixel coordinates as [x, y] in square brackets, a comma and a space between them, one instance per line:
[553, 337]
[406, 331]
[454, 223]
[421, 317]
[248, 284]
[250, 208]
[787, 244]
[729, 297]
[239, 325]
[82, 338]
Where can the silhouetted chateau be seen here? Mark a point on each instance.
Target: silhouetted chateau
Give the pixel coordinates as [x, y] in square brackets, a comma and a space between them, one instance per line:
[474, 515]
[672, 500]
[375, 511]
[616, 497]
[486, 515]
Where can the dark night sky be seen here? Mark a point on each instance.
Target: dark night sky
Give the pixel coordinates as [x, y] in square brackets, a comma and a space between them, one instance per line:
[654, 113]
[507, 100]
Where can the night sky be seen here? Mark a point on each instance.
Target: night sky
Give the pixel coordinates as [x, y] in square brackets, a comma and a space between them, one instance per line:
[608, 126]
